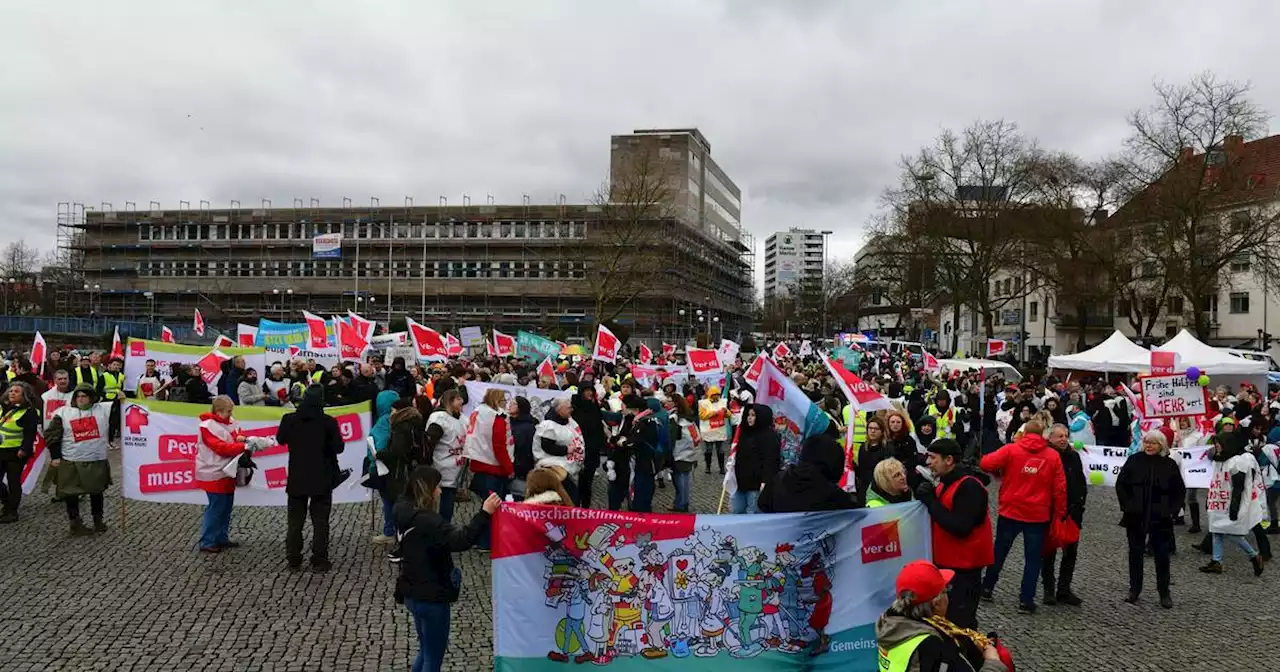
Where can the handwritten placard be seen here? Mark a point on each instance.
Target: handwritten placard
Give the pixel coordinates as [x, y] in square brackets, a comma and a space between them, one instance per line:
[1173, 396]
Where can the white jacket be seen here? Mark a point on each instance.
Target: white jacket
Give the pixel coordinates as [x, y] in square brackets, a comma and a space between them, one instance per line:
[447, 455]
[685, 448]
[209, 464]
[568, 435]
[480, 440]
[84, 433]
[1253, 508]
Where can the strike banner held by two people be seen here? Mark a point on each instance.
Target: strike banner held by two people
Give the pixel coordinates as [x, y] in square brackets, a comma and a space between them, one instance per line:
[158, 449]
[167, 354]
[754, 592]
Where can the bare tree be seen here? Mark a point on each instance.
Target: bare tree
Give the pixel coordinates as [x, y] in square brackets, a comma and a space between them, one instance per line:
[20, 260]
[625, 250]
[1200, 200]
[1074, 255]
[964, 205]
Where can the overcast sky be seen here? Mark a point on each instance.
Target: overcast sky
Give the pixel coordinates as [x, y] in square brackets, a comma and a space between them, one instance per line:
[808, 105]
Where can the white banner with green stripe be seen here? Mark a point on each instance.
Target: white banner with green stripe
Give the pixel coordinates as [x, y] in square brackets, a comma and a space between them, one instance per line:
[139, 351]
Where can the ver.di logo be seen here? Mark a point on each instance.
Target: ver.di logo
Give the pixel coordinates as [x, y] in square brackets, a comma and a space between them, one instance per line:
[135, 419]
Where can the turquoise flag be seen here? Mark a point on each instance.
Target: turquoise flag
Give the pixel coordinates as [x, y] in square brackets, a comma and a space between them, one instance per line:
[535, 347]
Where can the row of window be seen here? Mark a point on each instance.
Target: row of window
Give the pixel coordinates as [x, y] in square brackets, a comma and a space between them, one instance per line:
[363, 230]
[1239, 305]
[565, 270]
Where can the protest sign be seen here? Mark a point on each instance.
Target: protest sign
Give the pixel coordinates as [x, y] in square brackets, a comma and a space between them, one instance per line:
[168, 354]
[1173, 396]
[159, 444]
[754, 592]
[471, 336]
[281, 335]
[535, 347]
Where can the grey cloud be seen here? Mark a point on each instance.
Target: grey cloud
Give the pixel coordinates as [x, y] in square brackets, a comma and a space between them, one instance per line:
[808, 105]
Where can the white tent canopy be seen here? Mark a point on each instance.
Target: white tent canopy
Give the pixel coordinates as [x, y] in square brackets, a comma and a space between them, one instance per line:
[1010, 373]
[1214, 361]
[1117, 354]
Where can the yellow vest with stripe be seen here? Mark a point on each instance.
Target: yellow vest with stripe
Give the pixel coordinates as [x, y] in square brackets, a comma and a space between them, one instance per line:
[898, 659]
[874, 501]
[315, 376]
[93, 373]
[11, 430]
[859, 428]
[10, 374]
[943, 420]
[112, 385]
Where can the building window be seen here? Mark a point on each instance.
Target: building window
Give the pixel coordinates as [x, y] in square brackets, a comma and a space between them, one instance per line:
[1008, 286]
[1239, 303]
[1035, 311]
[1148, 269]
[1240, 263]
[1175, 305]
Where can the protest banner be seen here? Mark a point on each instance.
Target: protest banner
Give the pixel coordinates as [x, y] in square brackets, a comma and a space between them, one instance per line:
[753, 592]
[159, 444]
[539, 400]
[1173, 395]
[168, 354]
[704, 364]
[281, 335]
[391, 340]
[648, 376]
[326, 358]
[727, 352]
[1102, 464]
[534, 347]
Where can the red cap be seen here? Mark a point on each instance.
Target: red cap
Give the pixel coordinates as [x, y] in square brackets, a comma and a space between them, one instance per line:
[923, 579]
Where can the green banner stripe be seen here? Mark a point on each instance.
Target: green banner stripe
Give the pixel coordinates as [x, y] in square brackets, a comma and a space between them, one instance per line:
[249, 413]
[198, 350]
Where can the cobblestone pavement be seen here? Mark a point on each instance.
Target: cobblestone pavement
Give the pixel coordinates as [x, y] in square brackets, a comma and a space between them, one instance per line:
[143, 599]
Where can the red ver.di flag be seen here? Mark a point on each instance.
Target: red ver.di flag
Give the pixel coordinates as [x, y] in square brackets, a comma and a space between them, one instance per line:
[753, 372]
[795, 417]
[427, 342]
[39, 352]
[318, 334]
[781, 350]
[668, 350]
[646, 355]
[727, 352]
[996, 347]
[606, 346]
[211, 366]
[197, 324]
[166, 336]
[702, 362]
[224, 341]
[452, 346]
[931, 363]
[546, 369]
[117, 347]
[861, 399]
[503, 345]
[650, 591]
[1164, 362]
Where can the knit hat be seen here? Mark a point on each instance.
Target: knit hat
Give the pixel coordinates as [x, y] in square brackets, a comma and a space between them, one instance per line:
[87, 389]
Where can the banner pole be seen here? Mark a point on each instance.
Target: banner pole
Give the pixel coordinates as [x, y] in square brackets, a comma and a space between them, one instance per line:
[373, 525]
[720, 506]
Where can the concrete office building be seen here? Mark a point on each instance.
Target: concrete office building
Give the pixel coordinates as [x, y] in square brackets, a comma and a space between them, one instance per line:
[504, 266]
[792, 258]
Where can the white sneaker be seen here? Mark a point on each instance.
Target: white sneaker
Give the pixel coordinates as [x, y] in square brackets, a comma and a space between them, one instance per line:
[383, 539]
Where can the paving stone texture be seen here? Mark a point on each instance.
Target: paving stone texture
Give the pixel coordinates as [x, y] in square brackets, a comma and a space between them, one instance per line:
[142, 599]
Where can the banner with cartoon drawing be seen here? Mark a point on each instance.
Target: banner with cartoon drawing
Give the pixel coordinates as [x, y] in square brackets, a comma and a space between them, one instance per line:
[681, 592]
[158, 450]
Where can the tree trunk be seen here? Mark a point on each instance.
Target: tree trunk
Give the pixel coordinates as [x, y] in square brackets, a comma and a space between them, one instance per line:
[955, 326]
[1082, 325]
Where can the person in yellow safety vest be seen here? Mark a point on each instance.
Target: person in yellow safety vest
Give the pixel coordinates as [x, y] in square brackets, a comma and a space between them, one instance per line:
[889, 484]
[113, 381]
[944, 415]
[914, 633]
[87, 374]
[19, 421]
[859, 425]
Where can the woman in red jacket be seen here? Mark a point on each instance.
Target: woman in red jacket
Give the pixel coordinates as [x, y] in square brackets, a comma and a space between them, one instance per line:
[220, 442]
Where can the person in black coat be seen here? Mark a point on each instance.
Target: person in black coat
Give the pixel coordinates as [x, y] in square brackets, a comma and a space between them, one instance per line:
[757, 459]
[870, 453]
[590, 418]
[1150, 490]
[1077, 491]
[637, 439]
[196, 389]
[399, 380]
[428, 581]
[314, 442]
[811, 484]
[523, 428]
[903, 446]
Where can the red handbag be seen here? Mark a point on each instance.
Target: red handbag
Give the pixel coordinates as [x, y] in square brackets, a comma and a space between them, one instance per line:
[1062, 532]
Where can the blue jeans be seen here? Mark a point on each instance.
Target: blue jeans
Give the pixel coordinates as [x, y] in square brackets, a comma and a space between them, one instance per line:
[642, 492]
[1033, 535]
[388, 518]
[446, 503]
[1219, 540]
[482, 485]
[683, 482]
[431, 621]
[744, 501]
[216, 523]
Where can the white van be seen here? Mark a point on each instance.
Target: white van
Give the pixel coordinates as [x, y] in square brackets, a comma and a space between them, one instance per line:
[1257, 356]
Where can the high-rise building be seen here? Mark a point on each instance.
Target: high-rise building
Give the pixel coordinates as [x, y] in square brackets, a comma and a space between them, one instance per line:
[524, 266]
[792, 259]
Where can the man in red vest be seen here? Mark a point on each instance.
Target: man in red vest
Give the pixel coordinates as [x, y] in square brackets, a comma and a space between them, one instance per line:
[962, 540]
